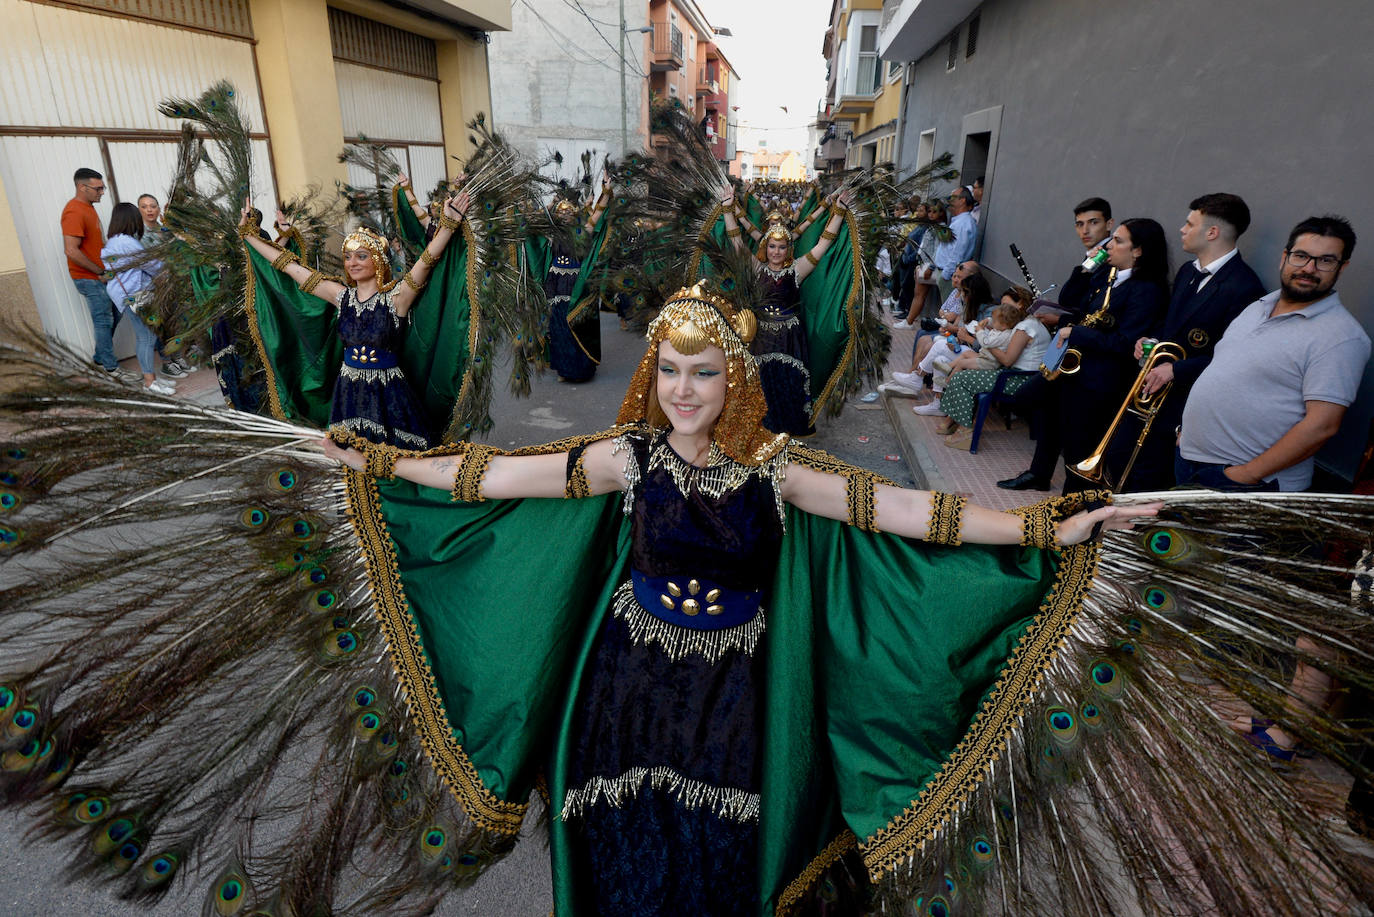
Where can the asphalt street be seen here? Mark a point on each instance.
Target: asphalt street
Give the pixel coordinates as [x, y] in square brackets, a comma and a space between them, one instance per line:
[33, 884]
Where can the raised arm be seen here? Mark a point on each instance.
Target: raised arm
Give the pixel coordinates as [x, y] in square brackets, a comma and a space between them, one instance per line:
[603, 200]
[820, 208]
[812, 258]
[421, 213]
[505, 476]
[413, 281]
[729, 210]
[908, 512]
[312, 282]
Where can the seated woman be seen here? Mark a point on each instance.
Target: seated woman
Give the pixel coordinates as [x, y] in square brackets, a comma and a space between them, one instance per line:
[1025, 350]
[920, 287]
[975, 297]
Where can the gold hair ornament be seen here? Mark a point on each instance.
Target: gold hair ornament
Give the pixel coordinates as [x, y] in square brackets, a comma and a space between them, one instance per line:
[370, 241]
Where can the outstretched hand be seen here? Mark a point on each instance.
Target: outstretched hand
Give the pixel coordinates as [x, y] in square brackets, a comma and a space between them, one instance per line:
[456, 205]
[1082, 526]
[727, 195]
[344, 456]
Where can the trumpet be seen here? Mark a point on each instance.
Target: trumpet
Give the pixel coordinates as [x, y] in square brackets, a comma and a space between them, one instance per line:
[1063, 360]
[1140, 405]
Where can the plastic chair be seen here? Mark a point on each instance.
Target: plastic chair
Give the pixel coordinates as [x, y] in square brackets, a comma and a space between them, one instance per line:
[984, 401]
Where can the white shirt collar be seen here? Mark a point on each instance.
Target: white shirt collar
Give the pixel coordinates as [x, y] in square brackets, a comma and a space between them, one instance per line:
[1122, 277]
[1216, 265]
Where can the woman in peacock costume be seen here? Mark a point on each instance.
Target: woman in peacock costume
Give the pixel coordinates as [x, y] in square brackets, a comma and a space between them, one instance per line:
[781, 345]
[739, 681]
[371, 397]
[574, 316]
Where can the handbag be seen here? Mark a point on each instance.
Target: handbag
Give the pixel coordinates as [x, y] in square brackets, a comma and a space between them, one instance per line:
[136, 300]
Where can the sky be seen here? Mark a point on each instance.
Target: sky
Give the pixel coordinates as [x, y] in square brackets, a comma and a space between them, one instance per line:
[776, 50]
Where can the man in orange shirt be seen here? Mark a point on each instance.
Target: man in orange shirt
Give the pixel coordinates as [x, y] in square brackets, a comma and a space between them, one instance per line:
[83, 239]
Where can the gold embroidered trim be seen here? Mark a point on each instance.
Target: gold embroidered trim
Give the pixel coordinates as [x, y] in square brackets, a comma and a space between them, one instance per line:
[427, 257]
[946, 519]
[863, 508]
[721, 475]
[284, 258]
[487, 810]
[467, 481]
[843, 843]
[250, 307]
[465, 390]
[447, 222]
[727, 802]
[1037, 527]
[819, 460]
[311, 282]
[967, 766]
[577, 486]
[381, 460]
[851, 316]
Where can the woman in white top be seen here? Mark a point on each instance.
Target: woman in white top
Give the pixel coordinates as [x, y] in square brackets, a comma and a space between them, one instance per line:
[1025, 350]
[130, 283]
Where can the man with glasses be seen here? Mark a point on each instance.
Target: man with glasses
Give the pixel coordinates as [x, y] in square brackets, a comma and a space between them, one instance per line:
[1281, 377]
[964, 233]
[83, 240]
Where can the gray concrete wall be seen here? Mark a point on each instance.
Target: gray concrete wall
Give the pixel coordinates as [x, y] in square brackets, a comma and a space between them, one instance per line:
[554, 79]
[1150, 105]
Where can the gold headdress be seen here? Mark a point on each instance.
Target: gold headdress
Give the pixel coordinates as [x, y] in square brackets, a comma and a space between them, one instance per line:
[693, 319]
[565, 208]
[777, 229]
[371, 241]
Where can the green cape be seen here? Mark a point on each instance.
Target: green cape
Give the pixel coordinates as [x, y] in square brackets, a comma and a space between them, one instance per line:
[895, 669]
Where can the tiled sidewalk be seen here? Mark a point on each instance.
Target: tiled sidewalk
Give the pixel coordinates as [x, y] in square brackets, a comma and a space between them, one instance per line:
[1002, 453]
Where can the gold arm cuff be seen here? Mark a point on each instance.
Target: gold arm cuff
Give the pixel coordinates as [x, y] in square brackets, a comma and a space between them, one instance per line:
[467, 482]
[811, 256]
[314, 280]
[427, 257]
[859, 494]
[286, 257]
[577, 486]
[448, 222]
[381, 460]
[410, 282]
[1038, 527]
[946, 519]
[734, 233]
[830, 235]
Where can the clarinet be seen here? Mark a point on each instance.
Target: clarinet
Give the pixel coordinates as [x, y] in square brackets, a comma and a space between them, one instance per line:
[1025, 271]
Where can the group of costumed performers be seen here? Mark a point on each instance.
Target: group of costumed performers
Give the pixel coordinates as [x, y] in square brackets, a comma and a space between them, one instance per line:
[738, 680]
[574, 335]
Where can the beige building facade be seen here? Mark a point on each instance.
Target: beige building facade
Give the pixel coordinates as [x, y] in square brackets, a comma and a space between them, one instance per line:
[82, 85]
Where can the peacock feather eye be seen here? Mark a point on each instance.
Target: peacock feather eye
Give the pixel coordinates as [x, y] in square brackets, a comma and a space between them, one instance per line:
[1158, 598]
[317, 574]
[91, 810]
[1063, 726]
[109, 838]
[1107, 678]
[10, 501]
[432, 842]
[24, 719]
[15, 454]
[938, 907]
[364, 697]
[123, 859]
[1167, 545]
[9, 702]
[366, 725]
[398, 768]
[8, 478]
[22, 759]
[159, 869]
[981, 852]
[9, 537]
[322, 600]
[228, 896]
[255, 518]
[282, 480]
[1091, 716]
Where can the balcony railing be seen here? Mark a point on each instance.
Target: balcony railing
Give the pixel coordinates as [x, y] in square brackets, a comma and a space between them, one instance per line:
[667, 46]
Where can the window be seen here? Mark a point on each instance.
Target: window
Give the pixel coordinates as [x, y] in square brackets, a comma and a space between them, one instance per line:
[894, 70]
[925, 148]
[953, 52]
[870, 73]
[971, 43]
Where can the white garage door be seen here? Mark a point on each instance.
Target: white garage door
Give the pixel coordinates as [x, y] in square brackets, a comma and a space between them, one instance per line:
[81, 90]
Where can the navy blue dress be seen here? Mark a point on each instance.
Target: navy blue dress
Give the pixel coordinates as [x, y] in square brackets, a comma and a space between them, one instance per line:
[663, 794]
[574, 349]
[371, 396]
[784, 357]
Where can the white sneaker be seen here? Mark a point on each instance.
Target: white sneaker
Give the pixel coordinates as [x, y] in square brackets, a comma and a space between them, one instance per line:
[160, 387]
[896, 388]
[942, 366]
[903, 324]
[913, 381]
[929, 410]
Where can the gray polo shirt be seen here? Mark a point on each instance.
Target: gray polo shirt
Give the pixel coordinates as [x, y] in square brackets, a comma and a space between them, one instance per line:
[1264, 371]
